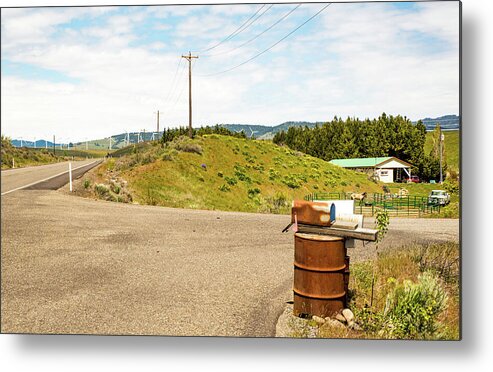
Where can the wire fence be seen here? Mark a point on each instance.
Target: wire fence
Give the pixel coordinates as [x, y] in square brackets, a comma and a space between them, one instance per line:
[395, 205]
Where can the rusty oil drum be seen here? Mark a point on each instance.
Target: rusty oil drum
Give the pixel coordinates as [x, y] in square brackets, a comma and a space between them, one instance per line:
[320, 269]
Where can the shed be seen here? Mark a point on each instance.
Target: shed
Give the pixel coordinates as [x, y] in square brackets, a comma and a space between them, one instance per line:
[386, 169]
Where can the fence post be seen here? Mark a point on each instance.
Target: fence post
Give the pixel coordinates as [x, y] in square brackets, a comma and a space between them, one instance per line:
[70, 174]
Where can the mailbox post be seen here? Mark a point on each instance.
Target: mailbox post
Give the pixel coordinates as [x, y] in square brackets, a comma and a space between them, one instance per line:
[324, 230]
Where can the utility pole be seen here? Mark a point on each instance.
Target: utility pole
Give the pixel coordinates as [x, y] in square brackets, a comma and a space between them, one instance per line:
[440, 149]
[54, 153]
[157, 121]
[189, 59]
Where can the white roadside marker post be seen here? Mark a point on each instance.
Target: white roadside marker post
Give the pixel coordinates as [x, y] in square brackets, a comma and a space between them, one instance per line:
[70, 174]
[13, 163]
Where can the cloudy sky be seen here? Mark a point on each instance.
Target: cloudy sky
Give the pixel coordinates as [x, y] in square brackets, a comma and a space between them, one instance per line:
[91, 72]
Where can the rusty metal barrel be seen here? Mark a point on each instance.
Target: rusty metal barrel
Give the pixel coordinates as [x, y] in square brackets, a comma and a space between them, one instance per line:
[320, 269]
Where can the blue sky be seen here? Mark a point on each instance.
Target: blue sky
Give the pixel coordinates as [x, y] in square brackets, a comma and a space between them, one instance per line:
[95, 71]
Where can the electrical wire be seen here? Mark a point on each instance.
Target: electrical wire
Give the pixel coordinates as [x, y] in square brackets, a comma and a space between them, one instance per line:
[236, 32]
[269, 48]
[182, 89]
[246, 26]
[168, 96]
[256, 37]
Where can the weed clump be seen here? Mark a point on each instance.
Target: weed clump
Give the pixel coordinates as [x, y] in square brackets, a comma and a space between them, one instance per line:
[186, 145]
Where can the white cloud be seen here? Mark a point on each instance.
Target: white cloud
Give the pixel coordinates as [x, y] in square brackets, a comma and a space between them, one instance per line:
[356, 62]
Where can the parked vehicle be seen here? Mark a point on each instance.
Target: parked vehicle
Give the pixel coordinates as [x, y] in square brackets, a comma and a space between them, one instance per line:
[439, 197]
[414, 179]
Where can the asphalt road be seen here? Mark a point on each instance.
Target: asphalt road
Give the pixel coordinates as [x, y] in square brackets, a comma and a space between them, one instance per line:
[52, 175]
[80, 266]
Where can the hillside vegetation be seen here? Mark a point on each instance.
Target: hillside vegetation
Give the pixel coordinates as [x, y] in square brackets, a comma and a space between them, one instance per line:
[219, 172]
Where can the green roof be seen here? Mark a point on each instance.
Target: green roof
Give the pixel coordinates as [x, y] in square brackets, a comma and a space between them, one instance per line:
[359, 162]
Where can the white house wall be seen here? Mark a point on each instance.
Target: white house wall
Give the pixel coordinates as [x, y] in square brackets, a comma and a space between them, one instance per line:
[393, 164]
[386, 175]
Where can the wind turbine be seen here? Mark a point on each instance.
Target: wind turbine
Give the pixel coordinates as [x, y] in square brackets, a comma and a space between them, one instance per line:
[252, 132]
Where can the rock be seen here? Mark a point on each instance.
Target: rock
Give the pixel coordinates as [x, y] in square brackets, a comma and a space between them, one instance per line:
[335, 323]
[341, 318]
[355, 326]
[318, 319]
[348, 314]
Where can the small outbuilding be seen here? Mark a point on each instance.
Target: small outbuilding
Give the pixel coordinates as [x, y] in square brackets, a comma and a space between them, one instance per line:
[386, 169]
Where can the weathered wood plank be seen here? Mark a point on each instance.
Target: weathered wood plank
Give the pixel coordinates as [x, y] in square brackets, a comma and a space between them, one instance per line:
[360, 233]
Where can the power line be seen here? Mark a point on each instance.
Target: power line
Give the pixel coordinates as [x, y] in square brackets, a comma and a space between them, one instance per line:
[181, 91]
[234, 33]
[248, 25]
[256, 37]
[173, 89]
[272, 46]
[168, 96]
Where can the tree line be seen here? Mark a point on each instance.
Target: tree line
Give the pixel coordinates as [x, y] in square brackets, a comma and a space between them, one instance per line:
[172, 133]
[386, 135]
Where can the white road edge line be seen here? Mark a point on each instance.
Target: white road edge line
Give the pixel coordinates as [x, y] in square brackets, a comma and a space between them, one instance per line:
[46, 179]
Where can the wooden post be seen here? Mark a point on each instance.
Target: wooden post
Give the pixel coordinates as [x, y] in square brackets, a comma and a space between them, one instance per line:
[189, 59]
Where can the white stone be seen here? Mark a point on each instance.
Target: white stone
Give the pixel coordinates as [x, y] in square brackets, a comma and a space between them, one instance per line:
[341, 318]
[318, 319]
[335, 323]
[348, 314]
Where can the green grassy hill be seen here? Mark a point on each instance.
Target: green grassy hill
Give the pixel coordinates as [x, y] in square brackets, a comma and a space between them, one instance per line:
[451, 148]
[220, 172]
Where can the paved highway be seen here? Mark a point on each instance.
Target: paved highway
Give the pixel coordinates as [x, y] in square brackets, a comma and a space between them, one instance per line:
[14, 179]
[75, 265]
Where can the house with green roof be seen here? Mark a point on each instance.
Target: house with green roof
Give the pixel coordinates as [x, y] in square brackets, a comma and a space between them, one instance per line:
[386, 169]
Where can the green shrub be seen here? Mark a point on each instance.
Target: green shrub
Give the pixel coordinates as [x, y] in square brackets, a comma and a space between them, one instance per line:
[452, 187]
[253, 192]
[231, 180]
[87, 183]
[224, 188]
[101, 190]
[115, 188]
[291, 181]
[240, 173]
[220, 174]
[276, 204]
[411, 309]
[167, 157]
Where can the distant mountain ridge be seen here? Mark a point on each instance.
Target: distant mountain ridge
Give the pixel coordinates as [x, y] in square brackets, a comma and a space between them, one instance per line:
[447, 122]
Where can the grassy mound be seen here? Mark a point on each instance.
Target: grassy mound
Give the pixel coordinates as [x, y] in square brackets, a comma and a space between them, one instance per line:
[226, 173]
